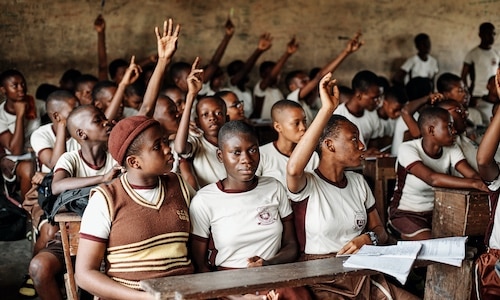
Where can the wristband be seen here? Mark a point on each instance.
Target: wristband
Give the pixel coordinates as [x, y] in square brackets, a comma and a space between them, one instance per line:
[373, 237]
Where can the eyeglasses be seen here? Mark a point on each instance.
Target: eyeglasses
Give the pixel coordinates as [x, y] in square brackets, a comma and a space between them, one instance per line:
[237, 104]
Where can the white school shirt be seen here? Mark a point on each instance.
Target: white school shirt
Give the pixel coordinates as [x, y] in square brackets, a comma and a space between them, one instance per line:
[45, 138]
[486, 63]
[73, 163]
[334, 216]
[418, 196]
[271, 95]
[368, 124]
[494, 241]
[469, 149]
[243, 224]
[294, 96]
[273, 163]
[8, 122]
[206, 165]
[485, 108]
[415, 67]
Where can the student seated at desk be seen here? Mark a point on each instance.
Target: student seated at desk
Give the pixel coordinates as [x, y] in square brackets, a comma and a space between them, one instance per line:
[248, 217]
[334, 209]
[486, 273]
[423, 164]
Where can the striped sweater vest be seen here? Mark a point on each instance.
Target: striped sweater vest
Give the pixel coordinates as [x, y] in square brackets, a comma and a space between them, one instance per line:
[147, 240]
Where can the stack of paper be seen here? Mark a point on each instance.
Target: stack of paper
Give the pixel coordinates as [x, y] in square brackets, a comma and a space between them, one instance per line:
[398, 260]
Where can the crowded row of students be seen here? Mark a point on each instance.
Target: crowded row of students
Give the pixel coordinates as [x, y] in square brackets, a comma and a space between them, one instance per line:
[255, 205]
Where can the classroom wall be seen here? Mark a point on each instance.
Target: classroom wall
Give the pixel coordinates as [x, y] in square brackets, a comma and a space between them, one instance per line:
[44, 38]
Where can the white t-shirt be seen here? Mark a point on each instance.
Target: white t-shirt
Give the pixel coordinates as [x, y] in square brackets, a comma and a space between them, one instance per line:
[368, 124]
[243, 224]
[273, 163]
[389, 126]
[294, 96]
[485, 63]
[494, 241]
[271, 95]
[469, 149]
[416, 67]
[73, 163]
[206, 165]
[45, 138]
[245, 96]
[485, 108]
[475, 116]
[334, 215]
[8, 122]
[96, 220]
[417, 195]
[129, 112]
[206, 90]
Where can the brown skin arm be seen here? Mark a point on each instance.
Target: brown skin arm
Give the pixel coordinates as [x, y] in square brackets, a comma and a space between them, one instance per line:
[199, 251]
[49, 156]
[63, 181]
[219, 52]
[288, 252]
[88, 275]
[102, 58]
[436, 179]
[488, 168]
[14, 142]
[375, 225]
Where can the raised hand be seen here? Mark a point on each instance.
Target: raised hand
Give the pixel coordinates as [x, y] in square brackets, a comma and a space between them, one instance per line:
[435, 98]
[329, 92]
[195, 79]
[355, 43]
[20, 108]
[292, 46]
[497, 81]
[167, 42]
[99, 24]
[132, 73]
[265, 41]
[229, 27]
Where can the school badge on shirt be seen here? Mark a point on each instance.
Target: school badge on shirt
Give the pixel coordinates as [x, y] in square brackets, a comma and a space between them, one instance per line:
[359, 221]
[183, 215]
[266, 215]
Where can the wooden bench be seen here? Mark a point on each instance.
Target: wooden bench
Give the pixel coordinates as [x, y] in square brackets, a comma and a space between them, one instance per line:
[456, 213]
[241, 281]
[378, 172]
[69, 224]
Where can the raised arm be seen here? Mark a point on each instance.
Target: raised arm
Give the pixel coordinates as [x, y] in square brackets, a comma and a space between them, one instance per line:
[488, 168]
[265, 42]
[412, 106]
[295, 177]
[167, 45]
[131, 75]
[102, 58]
[49, 156]
[352, 46]
[209, 71]
[291, 48]
[195, 83]
[14, 142]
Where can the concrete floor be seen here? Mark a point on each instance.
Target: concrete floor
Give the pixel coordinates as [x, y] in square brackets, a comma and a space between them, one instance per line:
[14, 260]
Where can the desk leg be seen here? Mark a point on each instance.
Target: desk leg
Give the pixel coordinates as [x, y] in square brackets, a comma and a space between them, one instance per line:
[69, 277]
[449, 282]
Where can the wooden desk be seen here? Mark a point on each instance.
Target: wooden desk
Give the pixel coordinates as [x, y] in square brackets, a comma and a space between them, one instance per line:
[377, 172]
[456, 213]
[224, 283]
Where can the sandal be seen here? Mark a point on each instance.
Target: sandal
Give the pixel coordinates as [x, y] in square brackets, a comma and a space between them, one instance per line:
[27, 289]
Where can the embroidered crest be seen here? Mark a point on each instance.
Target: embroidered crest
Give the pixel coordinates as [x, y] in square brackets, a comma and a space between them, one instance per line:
[182, 215]
[359, 221]
[265, 216]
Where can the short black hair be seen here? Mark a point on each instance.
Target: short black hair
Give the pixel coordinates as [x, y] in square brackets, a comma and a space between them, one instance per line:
[232, 128]
[291, 75]
[70, 76]
[281, 105]
[115, 65]
[177, 68]
[430, 115]
[332, 129]
[418, 87]
[446, 82]
[265, 66]
[363, 80]
[99, 86]
[44, 90]
[10, 73]
[86, 78]
[57, 97]
[398, 93]
[217, 99]
[486, 26]
[234, 67]
[420, 38]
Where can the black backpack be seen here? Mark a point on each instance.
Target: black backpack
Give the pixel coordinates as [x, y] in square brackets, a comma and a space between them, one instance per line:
[13, 220]
[72, 200]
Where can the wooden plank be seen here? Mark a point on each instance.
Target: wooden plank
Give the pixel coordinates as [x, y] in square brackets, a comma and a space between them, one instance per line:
[449, 282]
[241, 281]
